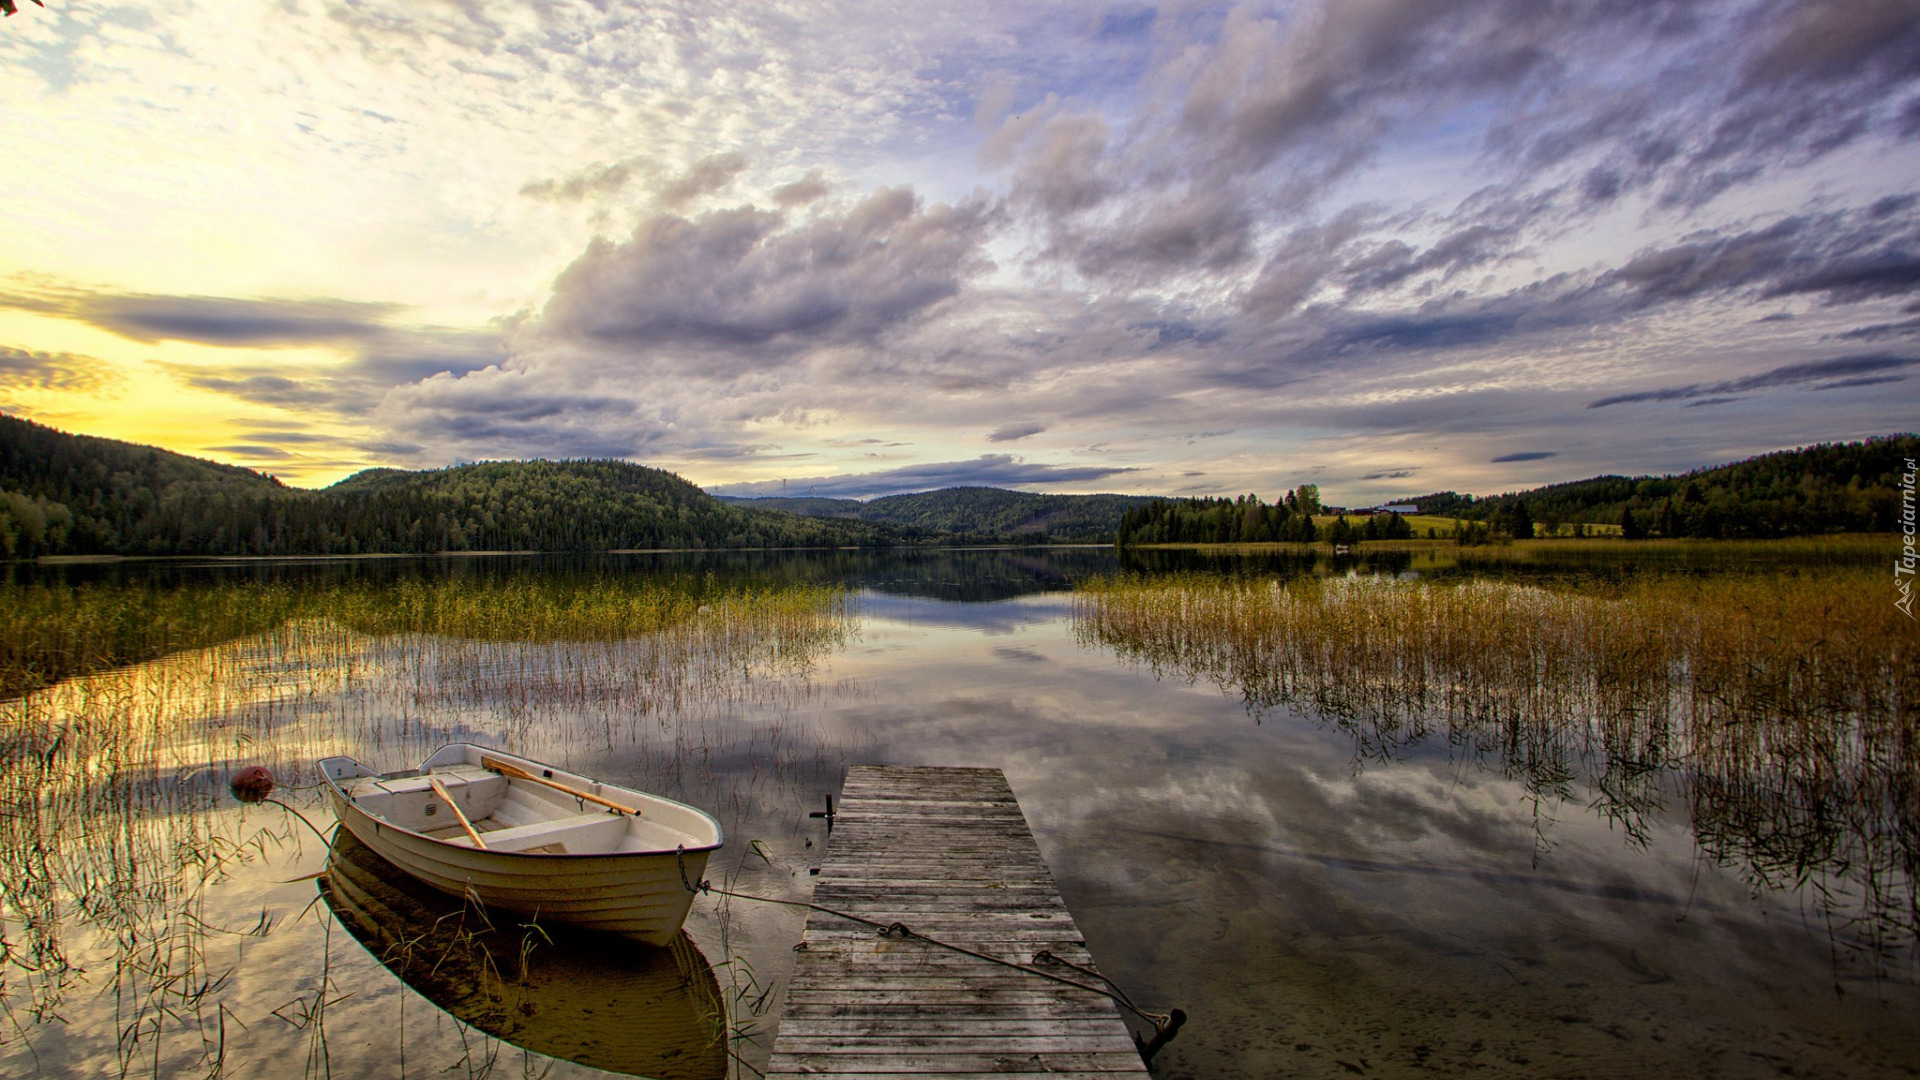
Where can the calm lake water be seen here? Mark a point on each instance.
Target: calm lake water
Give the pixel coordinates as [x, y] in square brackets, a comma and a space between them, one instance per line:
[1320, 901]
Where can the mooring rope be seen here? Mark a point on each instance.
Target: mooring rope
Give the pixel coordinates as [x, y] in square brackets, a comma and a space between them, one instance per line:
[1165, 1025]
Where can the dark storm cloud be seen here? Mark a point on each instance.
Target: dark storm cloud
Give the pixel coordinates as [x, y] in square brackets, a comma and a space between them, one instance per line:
[1845, 368]
[1525, 455]
[988, 470]
[27, 369]
[744, 279]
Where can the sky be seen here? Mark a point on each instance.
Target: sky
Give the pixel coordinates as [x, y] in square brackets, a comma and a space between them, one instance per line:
[1387, 247]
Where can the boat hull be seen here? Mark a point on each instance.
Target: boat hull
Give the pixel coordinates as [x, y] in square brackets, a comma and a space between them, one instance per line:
[644, 895]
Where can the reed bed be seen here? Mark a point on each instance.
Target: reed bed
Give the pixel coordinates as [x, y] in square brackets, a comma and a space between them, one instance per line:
[114, 822]
[1781, 704]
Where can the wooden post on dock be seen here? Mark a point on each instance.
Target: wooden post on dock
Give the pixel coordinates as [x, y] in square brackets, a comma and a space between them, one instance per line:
[946, 852]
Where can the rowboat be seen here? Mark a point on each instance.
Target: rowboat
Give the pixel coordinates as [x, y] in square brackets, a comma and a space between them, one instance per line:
[580, 996]
[527, 837]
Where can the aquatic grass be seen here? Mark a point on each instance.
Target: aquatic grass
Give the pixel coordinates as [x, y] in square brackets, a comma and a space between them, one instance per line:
[1780, 702]
[49, 632]
[113, 820]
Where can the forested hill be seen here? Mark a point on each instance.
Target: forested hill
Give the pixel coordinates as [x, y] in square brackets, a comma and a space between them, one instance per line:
[1831, 487]
[979, 513]
[66, 494]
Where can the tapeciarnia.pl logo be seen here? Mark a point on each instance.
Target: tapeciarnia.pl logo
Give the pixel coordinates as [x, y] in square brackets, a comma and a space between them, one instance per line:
[1903, 567]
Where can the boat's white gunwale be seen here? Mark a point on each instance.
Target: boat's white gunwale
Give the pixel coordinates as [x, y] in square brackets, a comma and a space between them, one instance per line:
[380, 822]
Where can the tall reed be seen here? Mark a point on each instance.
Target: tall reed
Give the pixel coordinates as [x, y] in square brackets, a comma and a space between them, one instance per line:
[1782, 702]
[113, 819]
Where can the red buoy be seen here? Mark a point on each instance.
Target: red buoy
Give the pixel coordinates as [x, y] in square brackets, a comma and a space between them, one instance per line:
[251, 784]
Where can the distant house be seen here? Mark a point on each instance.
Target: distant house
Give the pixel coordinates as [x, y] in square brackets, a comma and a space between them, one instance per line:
[1399, 508]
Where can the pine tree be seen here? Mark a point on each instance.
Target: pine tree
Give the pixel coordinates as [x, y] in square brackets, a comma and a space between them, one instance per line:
[1630, 526]
[1519, 521]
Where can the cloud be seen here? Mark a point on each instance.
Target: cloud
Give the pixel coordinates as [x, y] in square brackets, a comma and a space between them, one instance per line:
[1392, 474]
[213, 320]
[1839, 368]
[809, 188]
[1300, 225]
[988, 470]
[711, 174]
[351, 389]
[592, 182]
[25, 369]
[1903, 328]
[381, 353]
[261, 386]
[509, 412]
[1525, 455]
[1849, 256]
[1015, 432]
[746, 280]
[254, 450]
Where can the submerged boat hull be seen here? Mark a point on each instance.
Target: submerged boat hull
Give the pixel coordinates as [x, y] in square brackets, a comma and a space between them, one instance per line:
[639, 894]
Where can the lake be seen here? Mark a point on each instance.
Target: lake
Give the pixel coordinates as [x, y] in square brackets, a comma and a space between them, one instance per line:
[1564, 813]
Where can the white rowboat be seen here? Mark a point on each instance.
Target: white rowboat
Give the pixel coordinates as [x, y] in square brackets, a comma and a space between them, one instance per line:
[527, 837]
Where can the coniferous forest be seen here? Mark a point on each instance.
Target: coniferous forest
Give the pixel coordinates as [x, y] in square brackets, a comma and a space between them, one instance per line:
[64, 494]
[1830, 488]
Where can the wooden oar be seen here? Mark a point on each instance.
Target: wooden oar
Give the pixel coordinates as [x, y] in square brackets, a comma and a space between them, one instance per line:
[518, 773]
[440, 789]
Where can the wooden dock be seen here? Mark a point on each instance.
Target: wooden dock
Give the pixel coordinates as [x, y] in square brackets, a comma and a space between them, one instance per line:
[948, 853]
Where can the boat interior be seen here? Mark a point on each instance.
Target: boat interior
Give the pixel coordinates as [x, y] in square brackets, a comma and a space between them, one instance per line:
[509, 815]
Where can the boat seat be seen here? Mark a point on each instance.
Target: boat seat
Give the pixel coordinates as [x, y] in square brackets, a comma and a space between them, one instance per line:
[578, 828]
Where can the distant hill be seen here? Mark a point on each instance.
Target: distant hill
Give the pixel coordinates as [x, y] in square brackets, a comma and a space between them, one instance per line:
[811, 506]
[64, 494]
[978, 513]
[1829, 487]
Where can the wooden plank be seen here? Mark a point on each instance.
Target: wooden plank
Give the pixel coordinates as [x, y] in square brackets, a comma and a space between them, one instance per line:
[946, 852]
[854, 1064]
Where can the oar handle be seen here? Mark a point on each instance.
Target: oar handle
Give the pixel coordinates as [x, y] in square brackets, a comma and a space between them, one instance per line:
[440, 789]
[518, 773]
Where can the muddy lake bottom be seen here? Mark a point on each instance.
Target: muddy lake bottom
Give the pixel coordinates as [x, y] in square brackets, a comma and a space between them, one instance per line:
[1318, 904]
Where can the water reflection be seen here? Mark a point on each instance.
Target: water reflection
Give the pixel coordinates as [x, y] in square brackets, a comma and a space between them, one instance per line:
[580, 997]
[131, 887]
[1519, 848]
[1772, 707]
